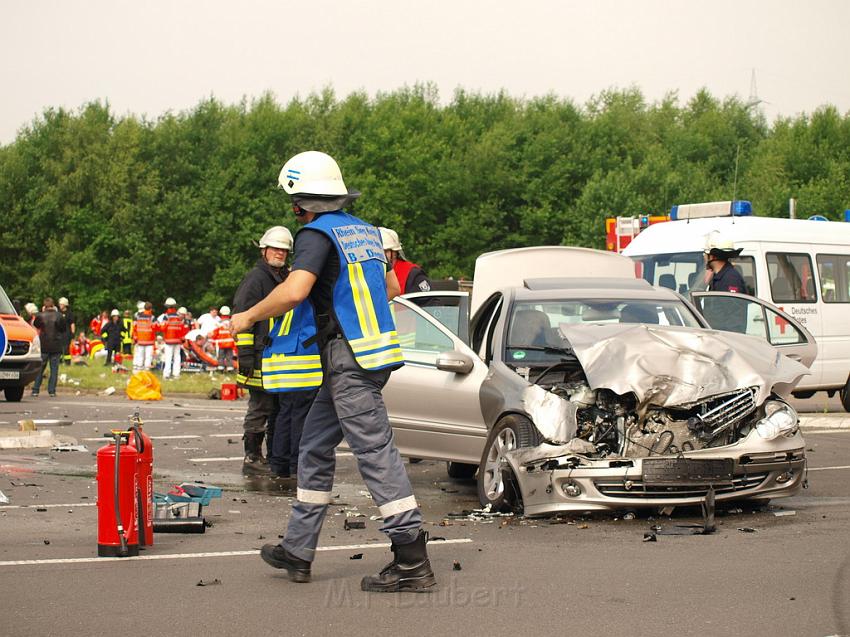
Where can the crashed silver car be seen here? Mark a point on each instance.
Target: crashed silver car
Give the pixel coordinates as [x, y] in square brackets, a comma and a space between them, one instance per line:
[595, 390]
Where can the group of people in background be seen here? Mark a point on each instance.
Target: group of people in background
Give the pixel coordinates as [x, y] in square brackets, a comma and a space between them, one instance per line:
[150, 342]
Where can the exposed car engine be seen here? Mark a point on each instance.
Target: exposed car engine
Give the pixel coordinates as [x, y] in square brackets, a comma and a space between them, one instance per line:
[616, 425]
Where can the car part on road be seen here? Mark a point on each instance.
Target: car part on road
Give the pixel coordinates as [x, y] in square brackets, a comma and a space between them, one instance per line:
[214, 582]
[179, 525]
[350, 524]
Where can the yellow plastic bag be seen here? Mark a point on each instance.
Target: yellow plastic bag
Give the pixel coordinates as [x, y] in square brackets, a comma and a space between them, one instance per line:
[144, 386]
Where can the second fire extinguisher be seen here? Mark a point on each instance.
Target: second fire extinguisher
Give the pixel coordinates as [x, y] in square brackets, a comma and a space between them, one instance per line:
[144, 492]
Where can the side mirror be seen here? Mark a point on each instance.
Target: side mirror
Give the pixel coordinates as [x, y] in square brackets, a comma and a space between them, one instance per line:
[454, 362]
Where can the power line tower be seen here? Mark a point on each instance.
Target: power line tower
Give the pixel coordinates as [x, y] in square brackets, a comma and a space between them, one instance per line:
[753, 101]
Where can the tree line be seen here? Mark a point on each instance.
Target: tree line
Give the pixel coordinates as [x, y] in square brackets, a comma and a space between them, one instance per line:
[107, 209]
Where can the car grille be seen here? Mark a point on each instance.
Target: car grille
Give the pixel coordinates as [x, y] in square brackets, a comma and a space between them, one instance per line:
[617, 488]
[725, 411]
[17, 348]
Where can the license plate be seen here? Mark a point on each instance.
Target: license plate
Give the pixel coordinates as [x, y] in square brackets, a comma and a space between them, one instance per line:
[13, 375]
[686, 470]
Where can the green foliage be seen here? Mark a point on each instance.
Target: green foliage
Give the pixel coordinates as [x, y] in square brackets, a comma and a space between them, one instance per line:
[108, 210]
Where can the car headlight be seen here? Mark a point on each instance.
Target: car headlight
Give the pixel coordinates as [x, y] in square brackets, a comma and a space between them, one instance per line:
[779, 419]
[35, 346]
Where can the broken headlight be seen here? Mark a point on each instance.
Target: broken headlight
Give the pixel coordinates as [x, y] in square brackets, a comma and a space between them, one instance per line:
[779, 419]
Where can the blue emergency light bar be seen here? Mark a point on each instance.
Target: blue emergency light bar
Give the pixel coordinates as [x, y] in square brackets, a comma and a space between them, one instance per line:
[711, 209]
[847, 215]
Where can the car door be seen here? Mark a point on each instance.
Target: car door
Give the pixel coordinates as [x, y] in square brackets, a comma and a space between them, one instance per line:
[732, 312]
[433, 400]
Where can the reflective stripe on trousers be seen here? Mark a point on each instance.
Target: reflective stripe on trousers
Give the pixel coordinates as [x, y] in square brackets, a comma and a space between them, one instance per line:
[349, 404]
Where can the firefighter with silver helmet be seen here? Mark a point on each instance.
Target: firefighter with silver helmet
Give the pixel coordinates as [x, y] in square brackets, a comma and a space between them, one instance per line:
[411, 277]
[724, 277]
[342, 340]
[268, 272]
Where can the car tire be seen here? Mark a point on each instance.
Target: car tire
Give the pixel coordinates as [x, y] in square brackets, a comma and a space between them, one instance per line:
[461, 470]
[497, 485]
[844, 395]
[14, 394]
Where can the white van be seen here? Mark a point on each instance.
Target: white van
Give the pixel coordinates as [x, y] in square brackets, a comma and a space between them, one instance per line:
[801, 266]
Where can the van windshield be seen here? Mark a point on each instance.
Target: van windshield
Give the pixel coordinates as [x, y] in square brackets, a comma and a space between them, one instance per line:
[6, 306]
[685, 272]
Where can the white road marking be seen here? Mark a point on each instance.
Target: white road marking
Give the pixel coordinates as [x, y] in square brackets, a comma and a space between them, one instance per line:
[124, 405]
[103, 439]
[339, 454]
[183, 556]
[809, 432]
[117, 421]
[48, 506]
[846, 466]
[238, 435]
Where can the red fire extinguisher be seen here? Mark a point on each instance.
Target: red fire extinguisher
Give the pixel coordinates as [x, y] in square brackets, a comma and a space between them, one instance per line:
[144, 494]
[117, 521]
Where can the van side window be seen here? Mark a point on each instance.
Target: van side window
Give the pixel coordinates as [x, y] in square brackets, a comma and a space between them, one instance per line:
[746, 266]
[791, 278]
[834, 272]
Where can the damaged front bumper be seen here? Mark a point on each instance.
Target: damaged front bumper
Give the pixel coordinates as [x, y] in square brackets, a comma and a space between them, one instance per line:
[553, 479]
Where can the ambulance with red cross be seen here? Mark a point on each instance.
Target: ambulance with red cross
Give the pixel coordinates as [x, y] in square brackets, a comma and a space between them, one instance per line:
[801, 266]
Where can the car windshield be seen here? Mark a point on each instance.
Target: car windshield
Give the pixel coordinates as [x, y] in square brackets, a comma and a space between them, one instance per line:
[6, 306]
[534, 335]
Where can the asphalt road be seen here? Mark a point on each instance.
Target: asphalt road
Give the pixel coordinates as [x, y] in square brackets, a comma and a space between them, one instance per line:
[589, 577]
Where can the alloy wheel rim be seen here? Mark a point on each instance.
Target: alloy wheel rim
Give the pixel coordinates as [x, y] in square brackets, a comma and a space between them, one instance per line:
[494, 484]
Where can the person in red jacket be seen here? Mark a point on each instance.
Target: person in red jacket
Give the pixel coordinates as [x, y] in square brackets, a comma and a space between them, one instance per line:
[143, 337]
[411, 277]
[173, 330]
[223, 337]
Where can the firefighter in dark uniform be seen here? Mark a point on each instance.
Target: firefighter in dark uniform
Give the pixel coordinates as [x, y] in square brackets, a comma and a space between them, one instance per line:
[411, 277]
[269, 271]
[725, 278]
[342, 339]
[724, 314]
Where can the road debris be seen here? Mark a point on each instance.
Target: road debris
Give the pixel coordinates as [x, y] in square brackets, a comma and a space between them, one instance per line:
[356, 556]
[4, 499]
[783, 514]
[350, 524]
[478, 514]
[108, 391]
[456, 566]
[747, 529]
[69, 447]
[214, 582]
[650, 537]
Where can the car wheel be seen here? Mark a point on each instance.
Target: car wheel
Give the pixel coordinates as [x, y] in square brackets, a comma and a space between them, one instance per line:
[496, 481]
[461, 470]
[844, 395]
[14, 394]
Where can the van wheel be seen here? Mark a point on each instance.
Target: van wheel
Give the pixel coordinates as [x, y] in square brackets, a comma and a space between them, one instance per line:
[844, 395]
[14, 394]
[497, 484]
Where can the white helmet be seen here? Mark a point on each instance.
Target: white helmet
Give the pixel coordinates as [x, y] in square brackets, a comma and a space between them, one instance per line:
[276, 237]
[390, 239]
[224, 311]
[717, 245]
[115, 313]
[63, 300]
[170, 302]
[31, 308]
[312, 173]
[140, 306]
[182, 310]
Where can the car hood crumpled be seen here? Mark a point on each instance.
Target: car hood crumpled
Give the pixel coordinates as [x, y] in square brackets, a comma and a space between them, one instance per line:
[670, 366]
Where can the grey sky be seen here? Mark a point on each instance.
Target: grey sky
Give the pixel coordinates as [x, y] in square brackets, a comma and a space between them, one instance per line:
[149, 57]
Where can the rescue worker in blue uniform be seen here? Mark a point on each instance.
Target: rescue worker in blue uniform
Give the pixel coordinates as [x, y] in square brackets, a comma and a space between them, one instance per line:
[729, 315]
[344, 341]
[725, 278]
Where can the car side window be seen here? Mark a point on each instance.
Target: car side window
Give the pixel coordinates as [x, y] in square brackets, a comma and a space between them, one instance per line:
[482, 319]
[834, 274]
[791, 278]
[421, 341]
[781, 331]
[733, 314]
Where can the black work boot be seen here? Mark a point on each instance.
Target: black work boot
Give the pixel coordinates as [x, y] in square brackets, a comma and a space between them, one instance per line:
[254, 464]
[277, 556]
[410, 570]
